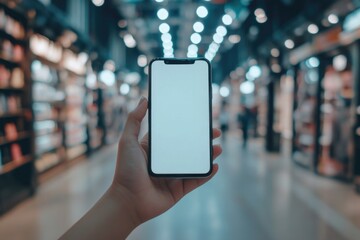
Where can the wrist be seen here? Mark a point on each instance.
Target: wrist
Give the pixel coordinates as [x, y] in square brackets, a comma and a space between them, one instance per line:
[125, 205]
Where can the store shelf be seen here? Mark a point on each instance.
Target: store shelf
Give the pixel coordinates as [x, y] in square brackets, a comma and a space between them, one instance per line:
[42, 82]
[50, 149]
[9, 63]
[49, 101]
[38, 134]
[11, 89]
[76, 152]
[11, 38]
[50, 167]
[8, 167]
[21, 136]
[48, 119]
[12, 115]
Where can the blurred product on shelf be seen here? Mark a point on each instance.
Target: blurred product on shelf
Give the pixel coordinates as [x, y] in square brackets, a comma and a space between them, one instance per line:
[11, 78]
[9, 104]
[11, 26]
[10, 131]
[42, 47]
[11, 52]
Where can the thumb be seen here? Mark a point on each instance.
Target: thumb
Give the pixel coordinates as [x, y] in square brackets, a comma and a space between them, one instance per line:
[133, 123]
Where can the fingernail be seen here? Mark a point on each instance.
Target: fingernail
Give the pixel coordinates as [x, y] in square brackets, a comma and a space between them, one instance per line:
[142, 99]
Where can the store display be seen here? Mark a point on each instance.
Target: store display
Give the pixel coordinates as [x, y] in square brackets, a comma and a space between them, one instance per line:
[47, 161]
[16, 143]
[304, 115]
[76, 118]
[48, 107]
[337, 122]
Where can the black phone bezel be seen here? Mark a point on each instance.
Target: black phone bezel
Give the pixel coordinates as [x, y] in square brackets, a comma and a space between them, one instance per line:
[181, 61]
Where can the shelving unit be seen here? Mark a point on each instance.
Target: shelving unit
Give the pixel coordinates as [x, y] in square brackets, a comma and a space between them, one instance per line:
[48, 105]
[17, 175]
[76, 120]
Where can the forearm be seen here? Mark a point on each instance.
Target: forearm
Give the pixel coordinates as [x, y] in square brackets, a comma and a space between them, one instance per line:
[112, 217]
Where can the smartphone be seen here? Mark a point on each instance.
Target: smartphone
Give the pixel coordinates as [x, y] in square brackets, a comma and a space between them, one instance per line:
[180, 118]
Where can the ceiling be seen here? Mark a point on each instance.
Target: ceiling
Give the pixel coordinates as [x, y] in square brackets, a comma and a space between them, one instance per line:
[284, 19]
[143, 23]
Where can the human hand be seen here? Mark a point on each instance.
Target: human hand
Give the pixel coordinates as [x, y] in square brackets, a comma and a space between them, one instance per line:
[148, 197]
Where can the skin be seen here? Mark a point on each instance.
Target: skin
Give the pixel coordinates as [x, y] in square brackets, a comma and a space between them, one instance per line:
[134, 197]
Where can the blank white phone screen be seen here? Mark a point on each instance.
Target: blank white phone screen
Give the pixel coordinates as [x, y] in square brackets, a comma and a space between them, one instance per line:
[180, 118]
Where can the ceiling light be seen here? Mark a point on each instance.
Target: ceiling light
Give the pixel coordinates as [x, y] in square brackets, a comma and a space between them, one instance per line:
[191, 55]
[209, 56]
[132, 78]
[164, 28]
[107, 77]
[218, 38]
[198, 27]
[234, 38]
[289, 44]
[166, 37]
[195, 38]
[193, 48]
[333, 19]
[340, 63]
[224, 91]
[171, 55]
[124, 89]
[214, 47]
[312, 62]
[129, 41]
[313, 29]
[254, 72]
[221, 30]
[162, 14]
[247, 87]
[202, 11]
[159, 0]
[275, 52]
[227, 19]
[261, 19]
[167, 45]
[142, 60]
[98, 3]
[259, 13]
[169, 51]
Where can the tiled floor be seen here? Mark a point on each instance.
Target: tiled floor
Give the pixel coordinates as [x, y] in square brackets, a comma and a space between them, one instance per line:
[254, 196]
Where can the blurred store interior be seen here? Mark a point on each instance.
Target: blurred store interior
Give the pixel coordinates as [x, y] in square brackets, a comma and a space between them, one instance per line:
[286, 94]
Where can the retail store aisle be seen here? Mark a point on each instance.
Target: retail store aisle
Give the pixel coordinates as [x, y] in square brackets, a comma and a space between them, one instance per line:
[254, 196]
